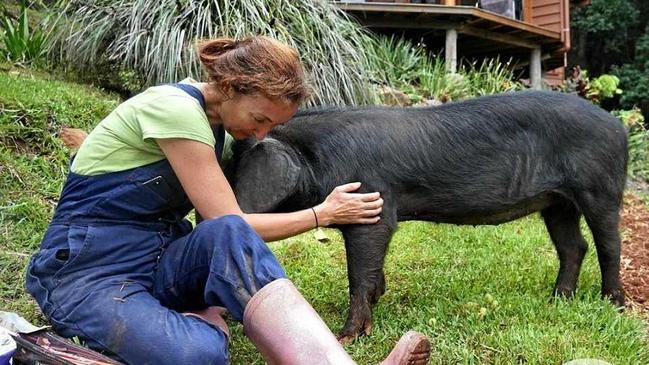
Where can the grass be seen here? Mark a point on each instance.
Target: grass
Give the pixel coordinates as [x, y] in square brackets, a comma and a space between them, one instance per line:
[33, 164]
[481, 294]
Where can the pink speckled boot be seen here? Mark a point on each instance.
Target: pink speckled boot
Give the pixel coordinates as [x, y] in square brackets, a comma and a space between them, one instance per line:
[288, 331]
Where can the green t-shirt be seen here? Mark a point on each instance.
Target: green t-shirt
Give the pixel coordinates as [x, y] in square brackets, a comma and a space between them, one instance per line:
[125, 138]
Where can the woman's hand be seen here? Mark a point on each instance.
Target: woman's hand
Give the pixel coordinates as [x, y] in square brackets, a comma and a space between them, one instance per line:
[344, 207]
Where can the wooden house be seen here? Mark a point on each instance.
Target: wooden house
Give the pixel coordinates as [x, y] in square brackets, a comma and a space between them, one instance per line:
[534, 34]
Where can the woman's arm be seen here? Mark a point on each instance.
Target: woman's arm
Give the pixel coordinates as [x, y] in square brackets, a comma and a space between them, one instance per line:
[199, 173]
[340, 207]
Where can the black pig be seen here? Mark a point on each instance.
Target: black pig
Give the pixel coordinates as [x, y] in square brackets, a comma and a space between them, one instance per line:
[488, 160]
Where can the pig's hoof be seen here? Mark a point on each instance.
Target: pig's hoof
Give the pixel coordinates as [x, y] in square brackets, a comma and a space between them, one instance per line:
[616, 297]
[562, 292]
[348, 336]
[345, 339]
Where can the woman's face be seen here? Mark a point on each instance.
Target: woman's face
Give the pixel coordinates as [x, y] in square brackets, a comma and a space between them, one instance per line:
[245, 116]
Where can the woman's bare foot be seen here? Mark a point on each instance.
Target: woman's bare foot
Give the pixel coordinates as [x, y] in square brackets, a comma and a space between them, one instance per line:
[412, 349]
[72, 137]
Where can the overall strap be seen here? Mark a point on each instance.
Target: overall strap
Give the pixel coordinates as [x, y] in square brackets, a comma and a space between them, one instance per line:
[219, 132]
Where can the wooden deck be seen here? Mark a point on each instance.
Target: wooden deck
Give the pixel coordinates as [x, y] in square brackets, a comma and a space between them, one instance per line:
[480, 33]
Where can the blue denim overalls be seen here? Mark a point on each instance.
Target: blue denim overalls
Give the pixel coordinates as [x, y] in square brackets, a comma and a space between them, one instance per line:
[119, 262]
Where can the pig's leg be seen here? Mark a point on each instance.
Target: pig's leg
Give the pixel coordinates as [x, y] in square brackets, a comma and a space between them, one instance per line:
[366, 247]
[562, 222]
[603, 217]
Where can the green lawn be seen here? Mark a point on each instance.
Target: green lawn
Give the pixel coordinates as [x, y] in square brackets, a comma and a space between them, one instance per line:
[481, 294]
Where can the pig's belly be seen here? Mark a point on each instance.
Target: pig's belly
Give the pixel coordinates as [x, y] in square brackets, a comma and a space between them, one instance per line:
[471, 213]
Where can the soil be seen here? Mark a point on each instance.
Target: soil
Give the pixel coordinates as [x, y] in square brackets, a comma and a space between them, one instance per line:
[635, 253]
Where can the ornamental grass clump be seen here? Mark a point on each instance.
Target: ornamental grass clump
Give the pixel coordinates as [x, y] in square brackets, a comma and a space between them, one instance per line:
[491, 76]
[156, 38]
[395, 61]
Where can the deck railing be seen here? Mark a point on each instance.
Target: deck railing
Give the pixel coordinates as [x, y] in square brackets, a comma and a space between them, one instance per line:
[514, 9]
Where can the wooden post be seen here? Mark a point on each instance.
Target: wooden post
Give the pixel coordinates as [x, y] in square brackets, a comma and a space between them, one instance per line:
[527, 11]
[450, 52]
[449, 2]
[536, 76]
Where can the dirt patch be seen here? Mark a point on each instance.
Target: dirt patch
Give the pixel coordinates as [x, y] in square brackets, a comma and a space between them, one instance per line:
[635, 252]
[15, 144]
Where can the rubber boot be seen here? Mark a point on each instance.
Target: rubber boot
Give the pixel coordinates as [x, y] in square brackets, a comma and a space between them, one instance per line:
[288, 331]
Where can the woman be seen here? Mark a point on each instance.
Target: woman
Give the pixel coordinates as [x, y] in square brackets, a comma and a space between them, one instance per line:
[120, 267]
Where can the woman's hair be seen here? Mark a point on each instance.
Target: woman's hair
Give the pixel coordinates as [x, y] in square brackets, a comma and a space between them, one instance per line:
[255, 65]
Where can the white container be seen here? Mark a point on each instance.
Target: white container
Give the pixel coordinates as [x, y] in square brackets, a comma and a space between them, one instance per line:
[12, 323]
[7, 347]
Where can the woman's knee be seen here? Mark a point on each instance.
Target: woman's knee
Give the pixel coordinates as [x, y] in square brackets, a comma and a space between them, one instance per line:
[225, 234]
[224, 230]
[238, 254]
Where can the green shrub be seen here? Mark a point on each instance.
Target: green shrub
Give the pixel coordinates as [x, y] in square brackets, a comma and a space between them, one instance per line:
[614, 38]
[607, 27]
[20, 43]
[603, 87]
[638, 142]
[409, 68]
[634, 77]
[600, 88]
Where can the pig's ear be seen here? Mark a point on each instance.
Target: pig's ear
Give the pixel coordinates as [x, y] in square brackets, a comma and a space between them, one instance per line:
[266, 175]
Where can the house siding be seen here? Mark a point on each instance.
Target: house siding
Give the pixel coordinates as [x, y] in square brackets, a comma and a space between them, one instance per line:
[552, 15]
[547, 14]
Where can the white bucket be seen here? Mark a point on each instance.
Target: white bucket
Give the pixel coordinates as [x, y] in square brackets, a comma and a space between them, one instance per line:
[12, 322]
[7, 347]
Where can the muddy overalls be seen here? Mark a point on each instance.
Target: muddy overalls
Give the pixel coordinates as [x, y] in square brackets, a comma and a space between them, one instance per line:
[119, 263]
